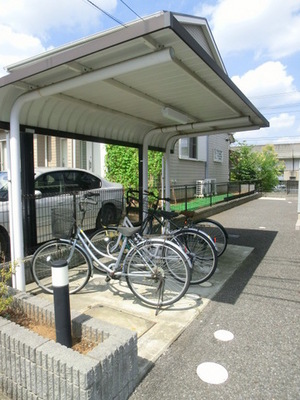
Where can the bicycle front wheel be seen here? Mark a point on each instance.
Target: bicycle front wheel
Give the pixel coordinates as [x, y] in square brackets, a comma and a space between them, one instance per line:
[79, 266]
[152, 268]
[201, 251]
[216, 231]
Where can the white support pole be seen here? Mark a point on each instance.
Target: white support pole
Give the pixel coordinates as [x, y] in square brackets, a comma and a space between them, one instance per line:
[11, 214]
[15, 200]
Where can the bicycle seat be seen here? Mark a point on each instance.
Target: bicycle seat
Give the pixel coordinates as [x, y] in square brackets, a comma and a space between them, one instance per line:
[166, 214]
[128, 231]
[188, 214]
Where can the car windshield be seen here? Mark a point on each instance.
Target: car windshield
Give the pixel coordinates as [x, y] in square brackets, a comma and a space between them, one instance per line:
[3, 186]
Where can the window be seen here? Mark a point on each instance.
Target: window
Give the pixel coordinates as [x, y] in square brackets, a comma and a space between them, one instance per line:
[78, 180]
[194, 148]
[188, 147]
[50, 183]
[3, 186]
[66, 182]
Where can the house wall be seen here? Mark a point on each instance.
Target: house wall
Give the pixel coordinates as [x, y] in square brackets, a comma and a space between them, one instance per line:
[3, 150]
[185, 171]
[188, 171]
[53, 151]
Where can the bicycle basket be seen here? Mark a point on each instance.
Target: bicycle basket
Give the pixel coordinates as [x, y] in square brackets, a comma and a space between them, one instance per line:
[62, 221]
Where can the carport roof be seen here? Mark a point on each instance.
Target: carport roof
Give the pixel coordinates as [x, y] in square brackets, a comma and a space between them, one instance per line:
[162, 74]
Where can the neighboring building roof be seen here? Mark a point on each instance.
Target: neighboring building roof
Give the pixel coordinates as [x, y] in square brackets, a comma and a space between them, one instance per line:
[284, 151]
[161, 74]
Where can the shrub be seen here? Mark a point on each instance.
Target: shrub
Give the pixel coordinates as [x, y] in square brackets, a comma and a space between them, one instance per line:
[5, 277]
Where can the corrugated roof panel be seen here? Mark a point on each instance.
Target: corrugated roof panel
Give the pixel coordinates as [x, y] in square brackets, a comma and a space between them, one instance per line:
[125, 106]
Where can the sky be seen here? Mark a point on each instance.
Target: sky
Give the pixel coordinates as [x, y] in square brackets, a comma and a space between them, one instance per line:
[258, 40]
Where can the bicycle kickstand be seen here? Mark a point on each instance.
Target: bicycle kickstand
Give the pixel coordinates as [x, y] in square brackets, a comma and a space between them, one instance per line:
[160, 295]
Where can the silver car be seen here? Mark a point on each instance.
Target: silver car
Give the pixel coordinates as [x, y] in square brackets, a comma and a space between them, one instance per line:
[62, 188]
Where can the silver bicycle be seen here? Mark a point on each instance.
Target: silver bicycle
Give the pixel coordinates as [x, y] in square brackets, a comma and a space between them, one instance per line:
[157, 271]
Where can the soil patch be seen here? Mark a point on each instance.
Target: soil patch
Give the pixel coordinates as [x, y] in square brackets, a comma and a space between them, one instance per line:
[82, 346]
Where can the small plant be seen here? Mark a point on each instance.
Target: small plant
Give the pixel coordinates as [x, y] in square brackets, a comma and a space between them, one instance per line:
[5, 276]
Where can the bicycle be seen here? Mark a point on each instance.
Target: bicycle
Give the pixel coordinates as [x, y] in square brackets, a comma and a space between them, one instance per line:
[196, 244]
[156, 270]
[212, 228]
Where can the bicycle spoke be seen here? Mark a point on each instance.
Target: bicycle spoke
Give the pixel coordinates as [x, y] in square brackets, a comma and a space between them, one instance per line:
[201, 252]
[153, 262]
[79, 269]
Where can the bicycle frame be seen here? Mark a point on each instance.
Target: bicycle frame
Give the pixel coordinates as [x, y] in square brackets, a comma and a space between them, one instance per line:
[165, 223]
[116, 268]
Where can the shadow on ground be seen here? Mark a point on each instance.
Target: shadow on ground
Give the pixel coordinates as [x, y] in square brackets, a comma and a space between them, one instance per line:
[260, 241]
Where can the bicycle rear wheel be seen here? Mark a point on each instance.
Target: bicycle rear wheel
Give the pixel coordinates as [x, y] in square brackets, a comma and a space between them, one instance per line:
[201, 251]
[105, 240]
[79, 266]
[109, 242]
[216, 231]
[152, 268]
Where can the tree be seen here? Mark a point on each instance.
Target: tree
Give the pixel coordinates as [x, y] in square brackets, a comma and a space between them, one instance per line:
[244, 163]
[270, 167]
[250, 165]
[122, 164]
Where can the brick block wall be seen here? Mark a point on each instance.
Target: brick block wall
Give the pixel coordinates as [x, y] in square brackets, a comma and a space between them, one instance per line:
[33, 367]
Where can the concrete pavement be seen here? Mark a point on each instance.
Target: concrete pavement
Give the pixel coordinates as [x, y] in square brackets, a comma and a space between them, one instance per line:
[113, 302]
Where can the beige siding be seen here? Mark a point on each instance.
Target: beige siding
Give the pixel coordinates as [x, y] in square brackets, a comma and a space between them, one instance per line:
[185, 171]
[189, 171]
[39, 150]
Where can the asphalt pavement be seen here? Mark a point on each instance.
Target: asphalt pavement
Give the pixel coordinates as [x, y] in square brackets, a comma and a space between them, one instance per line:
[245, 344]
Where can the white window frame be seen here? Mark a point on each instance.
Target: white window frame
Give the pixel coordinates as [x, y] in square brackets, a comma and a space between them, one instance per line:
[201, 149]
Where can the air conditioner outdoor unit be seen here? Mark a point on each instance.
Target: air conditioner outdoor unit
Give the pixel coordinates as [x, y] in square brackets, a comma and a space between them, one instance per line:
[212, 185]
[206, 187]
[201, 188]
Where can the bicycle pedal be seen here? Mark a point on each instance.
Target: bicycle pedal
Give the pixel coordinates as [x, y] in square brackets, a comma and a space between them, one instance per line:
[112, 276]
[116, 278]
